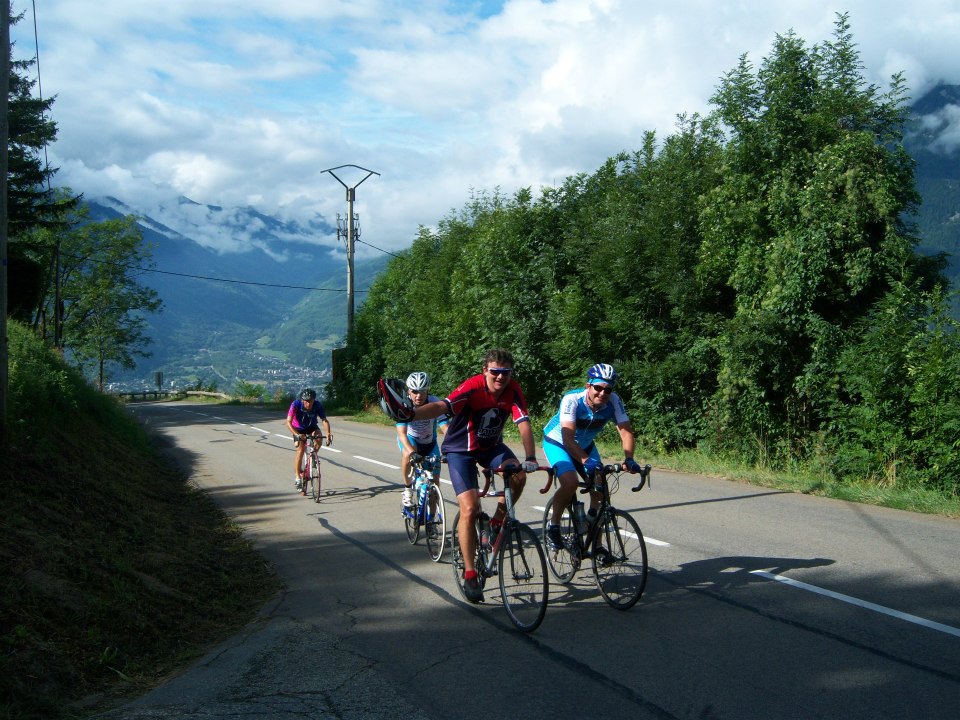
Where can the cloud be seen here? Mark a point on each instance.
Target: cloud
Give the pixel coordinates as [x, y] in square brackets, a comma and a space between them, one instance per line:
[247, 102]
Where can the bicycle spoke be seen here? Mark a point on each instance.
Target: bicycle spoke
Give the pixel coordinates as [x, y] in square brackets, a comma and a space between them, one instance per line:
[522, 569]
[620, 560]
[565, 560]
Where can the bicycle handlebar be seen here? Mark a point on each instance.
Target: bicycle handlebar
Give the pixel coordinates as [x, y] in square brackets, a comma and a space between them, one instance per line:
[616, 469]
[302, 437]
[508, 472]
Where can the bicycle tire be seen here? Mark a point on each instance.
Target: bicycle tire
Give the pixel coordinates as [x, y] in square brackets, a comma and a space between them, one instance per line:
[411, 522]
[315, 479]
[524, 584]
[563, 562]
[304, 472]
[436, 528]
[319, 481]
[457, 562]
[621, 572]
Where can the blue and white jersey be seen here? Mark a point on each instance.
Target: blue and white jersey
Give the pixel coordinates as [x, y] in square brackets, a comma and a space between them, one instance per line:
[424, 432]
[574, 408]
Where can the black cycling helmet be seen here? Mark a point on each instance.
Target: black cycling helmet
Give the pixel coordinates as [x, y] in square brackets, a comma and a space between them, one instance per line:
[308, 394]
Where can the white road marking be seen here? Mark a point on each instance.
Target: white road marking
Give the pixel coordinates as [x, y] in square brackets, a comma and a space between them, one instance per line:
[861, 603]
[376, 462]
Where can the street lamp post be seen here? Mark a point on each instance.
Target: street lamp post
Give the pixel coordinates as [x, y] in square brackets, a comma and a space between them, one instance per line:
[351, 195]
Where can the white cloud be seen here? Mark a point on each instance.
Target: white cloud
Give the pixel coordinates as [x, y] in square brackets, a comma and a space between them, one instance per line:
[237, 102]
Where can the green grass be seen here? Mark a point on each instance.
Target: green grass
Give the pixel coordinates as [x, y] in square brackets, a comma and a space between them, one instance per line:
[114, 571]
[809, 482]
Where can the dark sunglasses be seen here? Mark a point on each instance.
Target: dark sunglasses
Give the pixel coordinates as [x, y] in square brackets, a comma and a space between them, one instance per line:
[602, 389]
[500, 371]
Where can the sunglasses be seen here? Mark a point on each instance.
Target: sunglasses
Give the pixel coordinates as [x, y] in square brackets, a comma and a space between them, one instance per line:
[602, 389]
[500, 371]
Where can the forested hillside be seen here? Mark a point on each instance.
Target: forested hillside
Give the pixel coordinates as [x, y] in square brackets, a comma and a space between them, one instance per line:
[751, 275]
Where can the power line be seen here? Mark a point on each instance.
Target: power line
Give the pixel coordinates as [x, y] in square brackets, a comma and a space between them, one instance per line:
[239, 282]
[385, 252]
[207, 277]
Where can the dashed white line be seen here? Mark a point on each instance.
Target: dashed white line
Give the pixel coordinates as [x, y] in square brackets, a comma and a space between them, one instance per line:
[860, 603]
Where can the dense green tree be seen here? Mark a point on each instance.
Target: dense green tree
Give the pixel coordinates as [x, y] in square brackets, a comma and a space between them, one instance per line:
[753, 276]
[806, 230]
[104, 302]
[32, 203]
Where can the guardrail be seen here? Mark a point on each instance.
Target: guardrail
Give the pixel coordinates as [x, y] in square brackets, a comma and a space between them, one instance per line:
[144, 395]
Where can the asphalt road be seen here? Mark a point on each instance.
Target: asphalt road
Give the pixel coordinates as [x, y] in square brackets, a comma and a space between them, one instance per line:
[760, 604]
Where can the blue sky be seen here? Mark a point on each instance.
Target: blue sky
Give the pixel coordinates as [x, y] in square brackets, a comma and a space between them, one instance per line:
[246, 102]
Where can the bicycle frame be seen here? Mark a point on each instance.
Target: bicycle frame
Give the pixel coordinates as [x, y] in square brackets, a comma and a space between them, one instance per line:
[421, 515]
[614, 541]
[507, 495]
[516, 558]
[311, 458]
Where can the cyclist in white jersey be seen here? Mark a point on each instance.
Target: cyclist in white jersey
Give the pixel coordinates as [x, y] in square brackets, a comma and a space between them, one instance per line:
[418, 438]
[568, 439]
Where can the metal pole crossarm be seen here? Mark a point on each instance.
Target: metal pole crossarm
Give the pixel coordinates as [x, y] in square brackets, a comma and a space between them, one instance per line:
[351, 233]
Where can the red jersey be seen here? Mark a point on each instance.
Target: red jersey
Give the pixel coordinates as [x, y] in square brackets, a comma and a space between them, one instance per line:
[477, 418]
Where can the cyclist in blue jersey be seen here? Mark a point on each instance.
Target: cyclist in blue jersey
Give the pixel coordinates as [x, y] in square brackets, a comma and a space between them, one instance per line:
[418, 438]
[479, 408]
[303, 418]
[568, 439]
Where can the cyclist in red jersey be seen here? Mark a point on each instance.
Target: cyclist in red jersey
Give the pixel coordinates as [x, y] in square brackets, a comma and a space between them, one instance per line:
[478, 410]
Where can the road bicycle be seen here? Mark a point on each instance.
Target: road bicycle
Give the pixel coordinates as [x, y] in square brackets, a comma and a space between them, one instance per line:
[310, 465]
[612, 539]
[428, 513]
[515, 556]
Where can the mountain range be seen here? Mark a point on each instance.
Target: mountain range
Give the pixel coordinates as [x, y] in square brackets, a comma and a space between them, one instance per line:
[248, 296]
[269, 313]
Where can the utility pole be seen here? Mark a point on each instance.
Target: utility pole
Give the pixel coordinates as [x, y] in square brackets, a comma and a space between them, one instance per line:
[4, 161]
[351, 196]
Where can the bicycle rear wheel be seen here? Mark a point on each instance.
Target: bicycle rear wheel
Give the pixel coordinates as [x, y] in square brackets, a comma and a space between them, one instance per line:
[564, 561]
[436, 530]
[523, 577]
[620, 559]
[458, 557]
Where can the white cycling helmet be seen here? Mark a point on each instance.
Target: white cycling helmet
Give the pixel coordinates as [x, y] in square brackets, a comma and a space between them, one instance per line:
[602, 373]
[418, 381]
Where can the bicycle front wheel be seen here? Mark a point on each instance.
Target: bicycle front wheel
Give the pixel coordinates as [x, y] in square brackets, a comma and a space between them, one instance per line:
[620, 559]
[564, 561]
[523, 577]
[436, 530]
[411, 521]
[313, 490]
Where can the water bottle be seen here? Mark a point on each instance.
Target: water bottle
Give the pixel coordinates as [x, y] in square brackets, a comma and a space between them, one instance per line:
[580, 522]
[421, 489]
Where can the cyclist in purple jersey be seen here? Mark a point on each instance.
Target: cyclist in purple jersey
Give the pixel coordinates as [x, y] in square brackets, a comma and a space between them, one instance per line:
[303, 418]
[568, 439]
[418, 438]
[479, 408]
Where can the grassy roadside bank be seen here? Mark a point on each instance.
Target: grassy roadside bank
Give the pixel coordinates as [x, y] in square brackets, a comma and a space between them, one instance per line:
[114, 571]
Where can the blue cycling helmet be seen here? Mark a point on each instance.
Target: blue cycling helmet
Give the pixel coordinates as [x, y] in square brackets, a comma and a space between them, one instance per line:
[602, 373]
